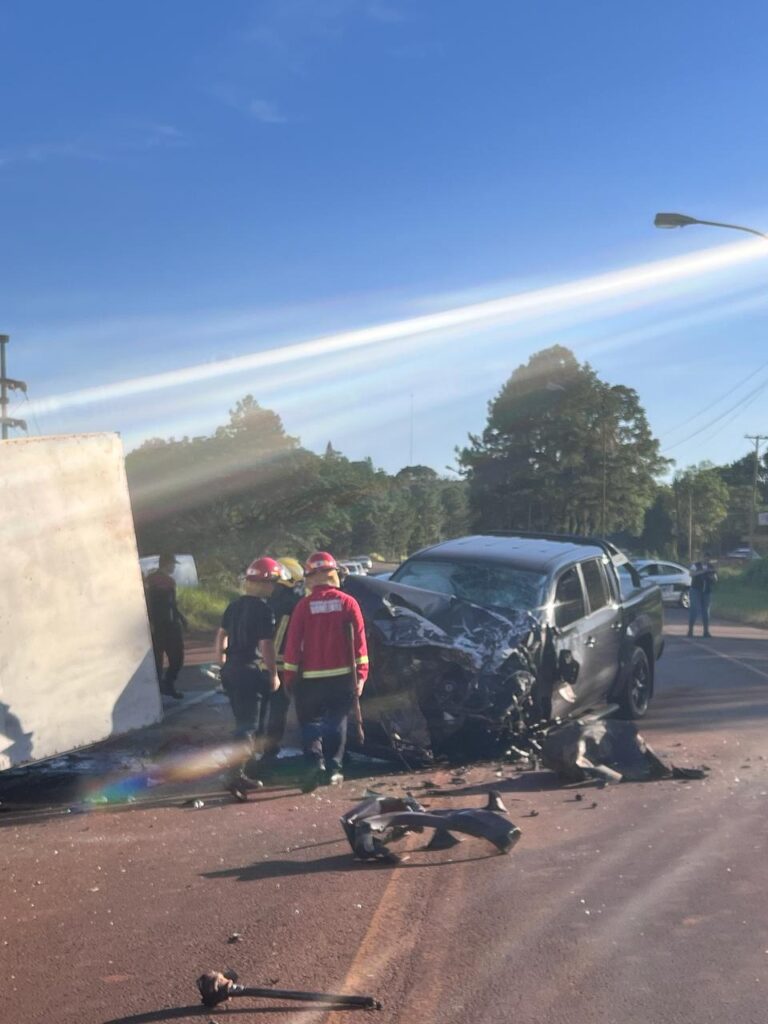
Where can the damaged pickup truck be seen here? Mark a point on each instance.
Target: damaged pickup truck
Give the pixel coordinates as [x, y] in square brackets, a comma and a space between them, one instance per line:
[478, 643]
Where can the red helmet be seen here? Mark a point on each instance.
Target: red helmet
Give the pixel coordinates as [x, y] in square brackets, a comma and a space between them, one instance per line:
[320, 562]
[264, 569]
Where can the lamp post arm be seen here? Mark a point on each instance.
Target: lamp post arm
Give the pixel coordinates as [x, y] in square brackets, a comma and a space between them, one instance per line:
[734, 227]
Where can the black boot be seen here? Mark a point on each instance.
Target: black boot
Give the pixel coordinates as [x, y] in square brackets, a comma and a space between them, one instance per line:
[313, 778]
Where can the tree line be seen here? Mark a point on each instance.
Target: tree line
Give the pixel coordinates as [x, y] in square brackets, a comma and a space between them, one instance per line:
[562, 451]
[250, 487]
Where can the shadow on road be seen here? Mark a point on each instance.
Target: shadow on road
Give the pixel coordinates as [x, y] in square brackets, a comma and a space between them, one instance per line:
[269, 869]
[197, 1010]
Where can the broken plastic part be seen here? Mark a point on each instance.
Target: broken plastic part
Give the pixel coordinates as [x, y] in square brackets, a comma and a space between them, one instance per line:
[372, 824]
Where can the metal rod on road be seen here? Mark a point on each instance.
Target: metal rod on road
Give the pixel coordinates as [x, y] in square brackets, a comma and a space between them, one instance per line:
[216, 988]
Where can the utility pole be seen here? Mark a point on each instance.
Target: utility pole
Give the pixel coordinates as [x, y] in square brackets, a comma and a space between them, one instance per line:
[410, 450]
[757, 438]
[8, 384]
[690, 523]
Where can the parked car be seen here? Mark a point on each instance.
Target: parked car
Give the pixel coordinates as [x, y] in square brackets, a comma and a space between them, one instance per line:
[674, 580]
[353, 568]
[497, 629]
[184, 572]
[746, 554]
[365, 560]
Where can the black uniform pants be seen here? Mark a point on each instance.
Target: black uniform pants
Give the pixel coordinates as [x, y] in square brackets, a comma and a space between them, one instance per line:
[246, 686]
[168, 640]
[322, 707]
[275, 712]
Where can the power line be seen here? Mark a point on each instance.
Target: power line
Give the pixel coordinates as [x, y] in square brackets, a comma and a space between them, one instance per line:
[710, 405]
[739, 410]
[738, 406]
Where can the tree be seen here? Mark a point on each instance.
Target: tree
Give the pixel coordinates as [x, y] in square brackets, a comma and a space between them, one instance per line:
[701, 506]
[562, 451]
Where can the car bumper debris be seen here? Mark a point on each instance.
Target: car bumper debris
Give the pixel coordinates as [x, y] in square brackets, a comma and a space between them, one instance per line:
[379, 820]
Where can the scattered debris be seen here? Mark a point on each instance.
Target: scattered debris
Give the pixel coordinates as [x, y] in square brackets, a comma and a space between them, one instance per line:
[235, 937]
[607, 750]
[196, 804]
[495, 803]
[689, 773]
[216, 988]
[380, 820]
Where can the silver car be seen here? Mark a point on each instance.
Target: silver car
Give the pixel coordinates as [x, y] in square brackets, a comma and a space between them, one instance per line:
[673, 579]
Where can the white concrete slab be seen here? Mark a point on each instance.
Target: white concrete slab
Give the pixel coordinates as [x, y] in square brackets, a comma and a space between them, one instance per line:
[76, 660]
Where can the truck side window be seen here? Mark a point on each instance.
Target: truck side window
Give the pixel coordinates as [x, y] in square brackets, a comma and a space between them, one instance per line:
[569, 599]
[629, 581]
[595, 584]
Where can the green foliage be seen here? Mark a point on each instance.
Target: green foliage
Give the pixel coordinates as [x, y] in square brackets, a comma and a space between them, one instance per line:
[701, 506]
[250, 489]
[743, 596]
[756, 575]
[562, 451]
[203, 606]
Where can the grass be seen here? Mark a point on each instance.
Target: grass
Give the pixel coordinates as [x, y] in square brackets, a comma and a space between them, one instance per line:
[741, 596]
[203, 606]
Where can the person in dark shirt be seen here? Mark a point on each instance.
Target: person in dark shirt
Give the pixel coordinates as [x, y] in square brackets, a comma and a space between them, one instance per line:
[166, 623]
[285, 596]
[703, 579]
[245, 643]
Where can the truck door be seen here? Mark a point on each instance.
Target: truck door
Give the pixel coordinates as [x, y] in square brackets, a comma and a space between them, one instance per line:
[601, 633]
[569, 614]
[587, 623]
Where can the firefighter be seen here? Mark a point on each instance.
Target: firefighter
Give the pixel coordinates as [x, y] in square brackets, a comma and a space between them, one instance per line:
[245, 647]
[325, 653]
[166, 623]
[285, 596]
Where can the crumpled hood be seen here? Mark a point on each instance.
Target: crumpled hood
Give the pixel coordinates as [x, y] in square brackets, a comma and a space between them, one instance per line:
[408, 617]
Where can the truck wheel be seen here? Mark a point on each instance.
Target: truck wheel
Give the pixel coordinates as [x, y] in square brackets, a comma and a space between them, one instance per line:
[636, 693]
[685, 598]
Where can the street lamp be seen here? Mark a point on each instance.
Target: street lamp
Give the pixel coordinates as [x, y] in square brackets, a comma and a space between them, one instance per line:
[682, 220]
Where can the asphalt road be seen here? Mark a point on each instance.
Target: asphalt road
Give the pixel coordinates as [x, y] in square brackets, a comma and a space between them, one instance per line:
[649, 906]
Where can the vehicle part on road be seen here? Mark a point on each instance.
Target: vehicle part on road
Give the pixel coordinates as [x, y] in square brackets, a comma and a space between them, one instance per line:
[690, 773]
[379, 820]
[608, 750]
[216, 988]
[495, 803]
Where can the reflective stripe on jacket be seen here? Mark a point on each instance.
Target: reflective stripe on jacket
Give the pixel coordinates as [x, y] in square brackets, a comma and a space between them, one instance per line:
[325, 634]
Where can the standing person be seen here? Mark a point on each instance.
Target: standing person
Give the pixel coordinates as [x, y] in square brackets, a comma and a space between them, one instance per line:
[274, 712]
[324, 653]
[244, 640]
[166, 623]
[703, 579]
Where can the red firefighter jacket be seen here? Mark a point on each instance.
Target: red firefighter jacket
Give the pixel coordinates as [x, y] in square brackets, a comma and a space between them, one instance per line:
[320, 643]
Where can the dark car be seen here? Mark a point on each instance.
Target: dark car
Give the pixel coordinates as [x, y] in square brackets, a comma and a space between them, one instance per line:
[567, 613]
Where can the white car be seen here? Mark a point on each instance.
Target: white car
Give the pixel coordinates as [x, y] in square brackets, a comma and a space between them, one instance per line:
[185, 570]
[365, 560]
[673, 579]
[353, 568]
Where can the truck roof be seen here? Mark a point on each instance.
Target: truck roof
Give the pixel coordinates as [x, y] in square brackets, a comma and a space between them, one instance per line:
[543, 553]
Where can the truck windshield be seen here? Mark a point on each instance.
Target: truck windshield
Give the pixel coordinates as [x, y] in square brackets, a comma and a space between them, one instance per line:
[500, 587]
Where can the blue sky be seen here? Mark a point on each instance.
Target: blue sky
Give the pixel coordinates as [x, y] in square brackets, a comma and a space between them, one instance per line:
[186, 183]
